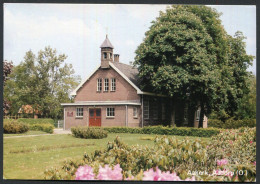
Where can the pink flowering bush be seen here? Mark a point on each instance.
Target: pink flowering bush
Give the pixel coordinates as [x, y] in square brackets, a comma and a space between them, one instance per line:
[170, 159]
[222, 162]
[158, 175]
[107, 173]
[85, 173]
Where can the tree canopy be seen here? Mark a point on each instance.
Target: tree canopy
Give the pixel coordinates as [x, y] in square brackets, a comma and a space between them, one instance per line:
[43, 81]
[187, 54]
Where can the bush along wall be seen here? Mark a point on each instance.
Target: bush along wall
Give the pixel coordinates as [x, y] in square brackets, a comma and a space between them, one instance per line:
[231, 123]
[14, 127]
[88, 132]
[222, 158]
[161, 130]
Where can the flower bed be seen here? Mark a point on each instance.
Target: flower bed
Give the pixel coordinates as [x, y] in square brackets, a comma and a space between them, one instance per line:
[170, 159]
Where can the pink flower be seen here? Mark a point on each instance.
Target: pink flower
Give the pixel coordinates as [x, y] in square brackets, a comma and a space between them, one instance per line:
[250, 142]
[85, 173]
[167, 176]
[222, 162]
[230, 142]
[254, 162]
[190, 179]
[160, 176]
[151, 175]
[107, 173]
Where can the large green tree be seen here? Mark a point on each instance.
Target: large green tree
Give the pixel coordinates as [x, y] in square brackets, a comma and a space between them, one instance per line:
[42, 81]
[186, 54]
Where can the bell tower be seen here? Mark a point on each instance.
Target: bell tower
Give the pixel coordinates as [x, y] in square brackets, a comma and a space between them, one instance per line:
[106, 53]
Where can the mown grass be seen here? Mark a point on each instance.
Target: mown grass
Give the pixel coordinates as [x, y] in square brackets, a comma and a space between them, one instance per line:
[28, 157]
[30, 132]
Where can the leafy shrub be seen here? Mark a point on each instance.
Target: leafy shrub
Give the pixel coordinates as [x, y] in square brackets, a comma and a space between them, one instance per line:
[239, 145]
[231, 123]
[31, 121]
[48, 128]
[14, 127]
[89, 132]
[173, 155]
[161, 130]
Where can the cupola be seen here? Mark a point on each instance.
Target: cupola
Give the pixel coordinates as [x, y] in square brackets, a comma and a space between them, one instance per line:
[106, 53]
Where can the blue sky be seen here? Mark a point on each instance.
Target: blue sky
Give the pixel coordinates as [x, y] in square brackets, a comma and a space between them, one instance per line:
[79, 30]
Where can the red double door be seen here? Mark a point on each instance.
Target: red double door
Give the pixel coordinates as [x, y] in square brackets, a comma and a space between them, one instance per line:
[94, 117]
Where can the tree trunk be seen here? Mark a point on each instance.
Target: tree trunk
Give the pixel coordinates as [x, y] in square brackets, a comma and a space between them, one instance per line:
[173, 113]
[202, 111]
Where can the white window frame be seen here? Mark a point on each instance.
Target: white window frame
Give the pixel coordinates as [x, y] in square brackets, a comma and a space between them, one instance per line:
[78, 113]
[198, 115]
[99, 84]
[146, 109]
[135, 114]
[106, 84]
[113, 84]
[155, 111]
[110, 112]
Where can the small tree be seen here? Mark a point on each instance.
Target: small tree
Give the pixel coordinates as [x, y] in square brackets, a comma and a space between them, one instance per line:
[42, 82]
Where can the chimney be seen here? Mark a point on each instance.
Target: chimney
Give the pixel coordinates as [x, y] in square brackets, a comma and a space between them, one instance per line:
[116, 58]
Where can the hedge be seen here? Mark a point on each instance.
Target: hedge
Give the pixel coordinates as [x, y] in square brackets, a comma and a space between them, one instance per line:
[231, 123]
[48, 128]
[161, 130]
[14, 127]
[88, 132]
[36, 121]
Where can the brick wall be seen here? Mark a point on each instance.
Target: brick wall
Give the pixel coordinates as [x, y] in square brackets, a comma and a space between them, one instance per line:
[118, 120]
[124, 91]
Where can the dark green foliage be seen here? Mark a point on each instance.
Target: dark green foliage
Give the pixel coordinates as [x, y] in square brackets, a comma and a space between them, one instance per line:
[45, 127]
[89, 132]
[14, 127]
[232, 123]
[187, 51]
[160, 130]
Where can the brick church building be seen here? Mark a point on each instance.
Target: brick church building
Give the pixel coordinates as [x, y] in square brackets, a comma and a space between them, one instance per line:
[111, 96]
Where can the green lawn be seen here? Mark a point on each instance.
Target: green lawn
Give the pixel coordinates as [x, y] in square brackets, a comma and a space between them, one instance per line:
[28, 157]
[26, 133]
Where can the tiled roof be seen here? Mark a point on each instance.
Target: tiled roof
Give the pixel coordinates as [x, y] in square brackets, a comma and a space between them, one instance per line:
[106, 43]
[129, 71]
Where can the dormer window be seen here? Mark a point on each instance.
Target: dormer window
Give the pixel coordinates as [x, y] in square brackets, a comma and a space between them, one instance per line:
[105, 55]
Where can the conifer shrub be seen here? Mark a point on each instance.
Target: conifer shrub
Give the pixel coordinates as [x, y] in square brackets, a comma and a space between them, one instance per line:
[88, 132]
[14, 127]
